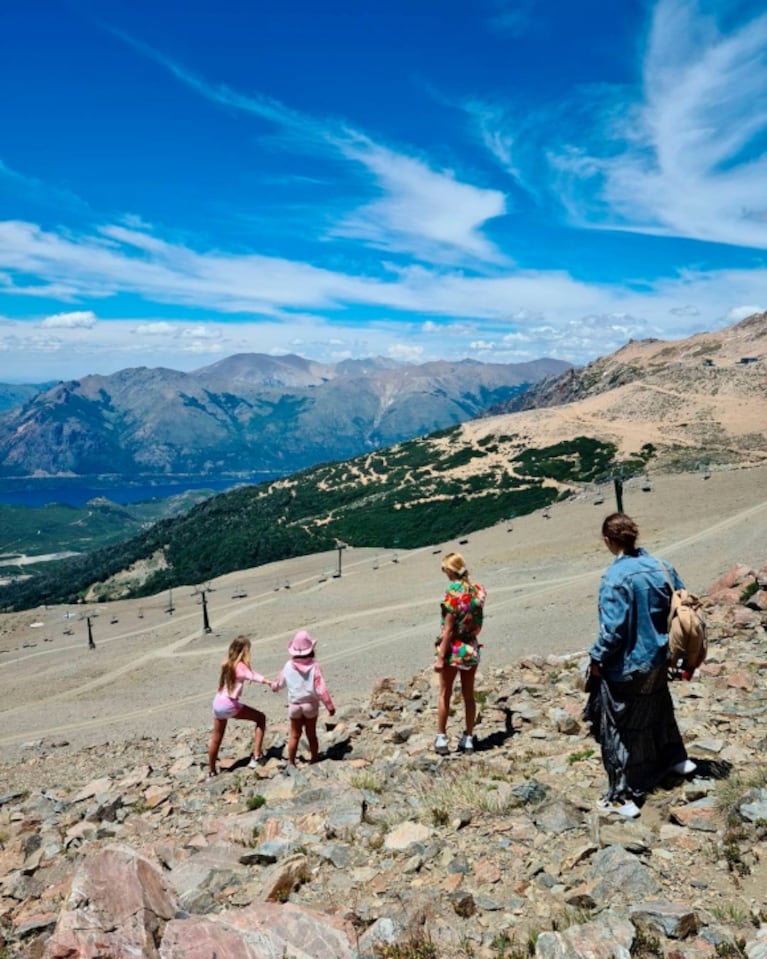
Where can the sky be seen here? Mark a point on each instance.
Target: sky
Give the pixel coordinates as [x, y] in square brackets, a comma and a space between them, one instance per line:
[498, 180]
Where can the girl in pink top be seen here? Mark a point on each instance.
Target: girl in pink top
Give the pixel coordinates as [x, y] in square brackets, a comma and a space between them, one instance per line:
[235, 672]
[306, 688]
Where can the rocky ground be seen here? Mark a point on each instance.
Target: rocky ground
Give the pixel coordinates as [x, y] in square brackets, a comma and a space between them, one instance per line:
[384, 849]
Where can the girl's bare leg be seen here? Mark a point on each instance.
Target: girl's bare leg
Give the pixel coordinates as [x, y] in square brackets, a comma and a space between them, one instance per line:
[446, 680]
[257, 717]
[296, 728]
[311, 735]
[219, 728]
[469, 702]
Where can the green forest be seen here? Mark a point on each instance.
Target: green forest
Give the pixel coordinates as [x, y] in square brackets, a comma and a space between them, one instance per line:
[416, 493]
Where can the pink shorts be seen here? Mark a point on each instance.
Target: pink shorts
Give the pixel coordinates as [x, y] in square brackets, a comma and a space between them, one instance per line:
[303, 710]
[225, 708]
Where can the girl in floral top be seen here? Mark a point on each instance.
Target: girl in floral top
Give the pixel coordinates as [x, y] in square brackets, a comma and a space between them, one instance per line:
[458, 649]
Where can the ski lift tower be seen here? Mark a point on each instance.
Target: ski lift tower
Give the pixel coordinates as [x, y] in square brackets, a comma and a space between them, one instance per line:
[340, 547]
[202, 592]
[91, 643]
[618, 484]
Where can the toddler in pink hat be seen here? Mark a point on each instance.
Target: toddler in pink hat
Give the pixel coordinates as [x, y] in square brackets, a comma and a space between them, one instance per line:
[306, 687]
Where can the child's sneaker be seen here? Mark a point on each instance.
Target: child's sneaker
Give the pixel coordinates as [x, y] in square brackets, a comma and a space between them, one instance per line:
[627, 807]
[441, 744]
[466, 743]
[256, 761]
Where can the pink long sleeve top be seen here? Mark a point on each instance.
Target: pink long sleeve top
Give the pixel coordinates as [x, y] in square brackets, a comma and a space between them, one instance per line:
[243, 674]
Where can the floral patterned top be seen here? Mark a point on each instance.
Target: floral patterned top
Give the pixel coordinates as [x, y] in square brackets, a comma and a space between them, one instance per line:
[466, 603]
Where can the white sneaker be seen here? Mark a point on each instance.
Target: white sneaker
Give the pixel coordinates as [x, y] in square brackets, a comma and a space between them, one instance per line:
[256, 761]
[466, 743]
[441, 744]
[685, 768]
[628, 808]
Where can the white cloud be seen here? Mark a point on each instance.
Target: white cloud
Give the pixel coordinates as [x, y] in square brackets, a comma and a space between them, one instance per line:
[203, 347]
[691, 162]
[199, 332]
[738, 313]
[34, 344]
[430, 214]
[76, 320]
[406, 352]
[274, 288]
[497, 132]
[162, 328]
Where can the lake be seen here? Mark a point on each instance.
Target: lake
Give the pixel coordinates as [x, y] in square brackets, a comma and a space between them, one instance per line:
[73, 493]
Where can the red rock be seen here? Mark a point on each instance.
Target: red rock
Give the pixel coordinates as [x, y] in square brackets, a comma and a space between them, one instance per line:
[758, 600]
[744, 617]
[486, 871]
[739, 679]
[733, 577]
[118, 906]
[728, 595]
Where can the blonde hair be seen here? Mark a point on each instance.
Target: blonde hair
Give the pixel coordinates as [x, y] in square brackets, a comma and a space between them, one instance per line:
[455, 564]
[239, 652]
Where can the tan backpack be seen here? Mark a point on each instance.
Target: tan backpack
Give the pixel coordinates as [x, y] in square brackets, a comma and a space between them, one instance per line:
[687, 639]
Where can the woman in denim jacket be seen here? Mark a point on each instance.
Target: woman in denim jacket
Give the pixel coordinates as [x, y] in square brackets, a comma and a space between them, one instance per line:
[632, 710]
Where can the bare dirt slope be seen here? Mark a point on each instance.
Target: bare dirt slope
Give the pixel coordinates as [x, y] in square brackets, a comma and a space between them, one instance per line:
[700, 399]
[153, 672]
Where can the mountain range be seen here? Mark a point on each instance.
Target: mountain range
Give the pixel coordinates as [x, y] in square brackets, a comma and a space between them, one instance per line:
[652, 406]
[248, 413]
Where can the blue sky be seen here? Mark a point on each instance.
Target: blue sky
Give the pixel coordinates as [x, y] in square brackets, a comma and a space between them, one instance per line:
[417, 179]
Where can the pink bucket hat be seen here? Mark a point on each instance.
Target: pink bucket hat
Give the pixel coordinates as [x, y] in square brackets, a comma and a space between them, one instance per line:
[302, 644]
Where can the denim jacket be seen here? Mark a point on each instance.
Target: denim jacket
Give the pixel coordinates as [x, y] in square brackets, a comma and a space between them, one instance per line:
[634, 598]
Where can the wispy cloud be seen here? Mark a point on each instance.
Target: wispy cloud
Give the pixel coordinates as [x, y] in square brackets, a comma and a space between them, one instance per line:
[687, 158]
[432, 214]
[40, 192]
[120, 260]
[420, 211]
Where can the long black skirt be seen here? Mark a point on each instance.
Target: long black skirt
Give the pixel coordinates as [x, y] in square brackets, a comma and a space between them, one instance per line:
[634, 724]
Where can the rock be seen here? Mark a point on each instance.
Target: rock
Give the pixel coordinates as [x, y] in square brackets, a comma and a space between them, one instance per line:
[607, 938]
[755, 809]
[407, 847]
[94, 788]
[118, 905]
[557, 816]
[733, 577]
[197, 879]
[406, 834]
[257, 933]
[757, 948]
[702, 815]
[672, 919]
[530, 791]
[619, 873]
[279, 880]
